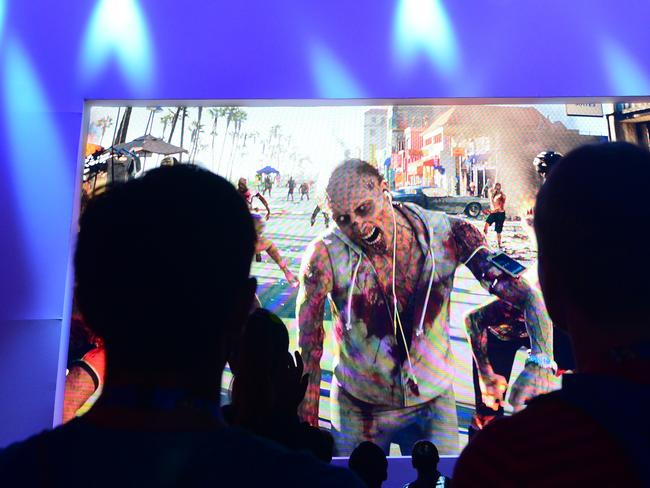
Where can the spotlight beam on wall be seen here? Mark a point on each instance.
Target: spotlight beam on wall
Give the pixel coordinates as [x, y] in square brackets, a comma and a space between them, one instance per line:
[626, 75]
[3, 11]
[331, 77]
[117, 30]
[39, 166]
[423, 27]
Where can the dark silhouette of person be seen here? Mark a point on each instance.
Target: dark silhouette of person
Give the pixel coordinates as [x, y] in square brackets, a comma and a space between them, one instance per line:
[425, 459]
[369, 462]
[268, 386]
[162, 276]
[594, 430]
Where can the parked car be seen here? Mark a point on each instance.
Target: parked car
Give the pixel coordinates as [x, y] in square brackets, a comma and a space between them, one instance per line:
[437, 199]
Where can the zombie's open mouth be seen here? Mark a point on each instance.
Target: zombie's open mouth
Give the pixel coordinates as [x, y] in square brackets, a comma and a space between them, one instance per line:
[373, 237]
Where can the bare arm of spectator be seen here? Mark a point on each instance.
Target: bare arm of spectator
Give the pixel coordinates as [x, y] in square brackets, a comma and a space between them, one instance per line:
[316, 280]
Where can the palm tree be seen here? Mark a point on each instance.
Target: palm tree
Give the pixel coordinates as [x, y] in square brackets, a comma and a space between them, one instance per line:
[166, 120]
[229, 112]
[238, 117]
[183, 116]
[197, 130]
[174, 120]
[215, 113]
[150, 119]
[104, 123]
[120, 137]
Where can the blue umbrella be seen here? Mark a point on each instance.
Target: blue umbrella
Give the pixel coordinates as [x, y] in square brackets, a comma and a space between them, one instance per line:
[267, 170]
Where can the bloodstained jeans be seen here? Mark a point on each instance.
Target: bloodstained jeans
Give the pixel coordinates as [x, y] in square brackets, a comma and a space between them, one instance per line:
[354, 421]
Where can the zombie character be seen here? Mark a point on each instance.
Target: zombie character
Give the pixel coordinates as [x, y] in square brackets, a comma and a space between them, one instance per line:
[388, 271]
[267, 185]
[85, 378]
[291, 184]
[304, 190]
[263, 243]
[497, 214]
[497, 330]
[326, 217]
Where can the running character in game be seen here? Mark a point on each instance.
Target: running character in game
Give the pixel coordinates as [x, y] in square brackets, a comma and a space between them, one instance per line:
[497, 214]
[388, 271]
[263, 243]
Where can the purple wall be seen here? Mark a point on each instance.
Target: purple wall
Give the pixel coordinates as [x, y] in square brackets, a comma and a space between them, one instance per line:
[53, 55]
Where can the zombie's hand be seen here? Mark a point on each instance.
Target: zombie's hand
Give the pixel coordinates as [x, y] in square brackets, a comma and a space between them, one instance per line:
[533, 381]
[290, 277]
[493, 387]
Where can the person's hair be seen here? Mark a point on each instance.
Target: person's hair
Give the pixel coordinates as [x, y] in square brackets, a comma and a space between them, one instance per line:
[261, 356]
[425, 455]
[591, 236]
[369, 462]
[158, 262]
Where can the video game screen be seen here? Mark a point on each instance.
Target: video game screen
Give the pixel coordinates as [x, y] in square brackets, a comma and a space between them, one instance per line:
[376, 225]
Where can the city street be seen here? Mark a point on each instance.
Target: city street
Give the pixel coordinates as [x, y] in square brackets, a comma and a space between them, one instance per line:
[290, 229]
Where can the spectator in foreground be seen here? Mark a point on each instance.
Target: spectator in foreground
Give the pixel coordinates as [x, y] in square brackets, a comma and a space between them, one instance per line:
[594, 431]
[369, 462]
[425, 460]
[268, 387]
[162, 275]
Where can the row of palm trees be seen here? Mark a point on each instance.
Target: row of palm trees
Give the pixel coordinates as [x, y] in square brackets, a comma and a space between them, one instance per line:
[225, 121]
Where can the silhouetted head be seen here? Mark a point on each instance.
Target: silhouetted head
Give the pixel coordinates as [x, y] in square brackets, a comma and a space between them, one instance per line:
[323, 444]
[369, 462]
[425, 457]
[357, 198]
[593, 261]
[162, 270]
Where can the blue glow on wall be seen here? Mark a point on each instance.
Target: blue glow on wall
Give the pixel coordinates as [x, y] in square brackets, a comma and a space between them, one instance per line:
[626, 74]
[331, 77]
[424, 27]
[38, 166]
[118, 31]
[3, 9]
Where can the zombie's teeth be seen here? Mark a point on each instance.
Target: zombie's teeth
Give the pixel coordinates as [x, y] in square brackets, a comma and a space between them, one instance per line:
[376, 233]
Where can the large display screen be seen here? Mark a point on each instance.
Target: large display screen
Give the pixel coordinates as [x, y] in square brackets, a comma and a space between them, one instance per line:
[454, 174]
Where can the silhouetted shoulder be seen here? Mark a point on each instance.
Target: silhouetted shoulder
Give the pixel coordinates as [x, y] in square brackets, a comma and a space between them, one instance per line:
[549, 433]
[79, 454]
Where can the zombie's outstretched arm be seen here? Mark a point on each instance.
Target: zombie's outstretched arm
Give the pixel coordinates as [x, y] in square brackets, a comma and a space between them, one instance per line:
[314, 215]
[266, 205]
[517, 292]
[315, 283]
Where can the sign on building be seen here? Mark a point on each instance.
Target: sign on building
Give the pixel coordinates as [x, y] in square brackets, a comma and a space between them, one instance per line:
[585, 109]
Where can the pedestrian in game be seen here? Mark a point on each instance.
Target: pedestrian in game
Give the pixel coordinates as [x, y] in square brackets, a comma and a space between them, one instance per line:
[267, 186]
[487, 188]
[291, 184]
[304, 190]
[497, 212]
